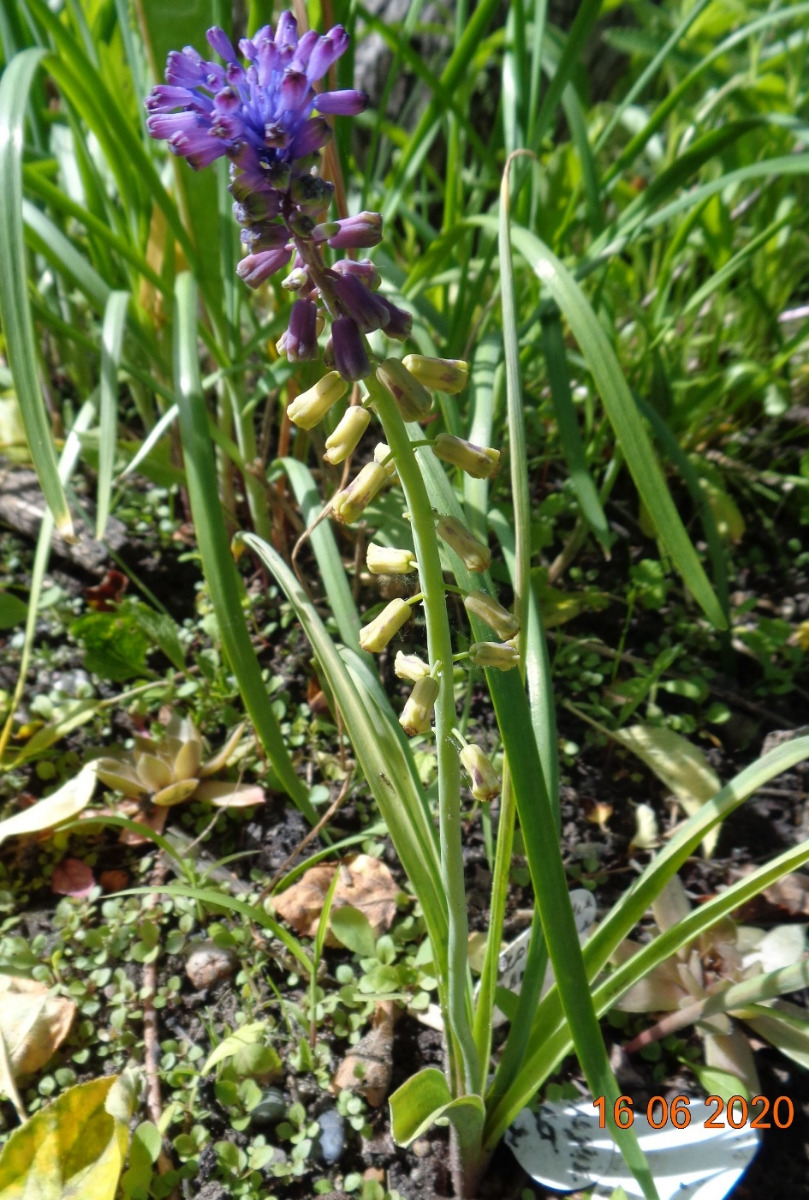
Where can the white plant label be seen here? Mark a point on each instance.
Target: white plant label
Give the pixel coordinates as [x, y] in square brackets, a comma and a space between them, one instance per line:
[511, 963]
[563, 1146]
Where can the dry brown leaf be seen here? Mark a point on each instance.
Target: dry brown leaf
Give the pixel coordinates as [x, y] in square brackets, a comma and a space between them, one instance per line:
[368, 1067]
[790, 894]
[33, 1023]
[365, 884]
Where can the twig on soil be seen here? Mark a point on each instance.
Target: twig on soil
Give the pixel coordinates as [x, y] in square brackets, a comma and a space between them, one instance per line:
[151, 1043]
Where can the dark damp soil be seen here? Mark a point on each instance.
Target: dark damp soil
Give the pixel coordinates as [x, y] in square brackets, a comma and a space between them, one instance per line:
[765, 696]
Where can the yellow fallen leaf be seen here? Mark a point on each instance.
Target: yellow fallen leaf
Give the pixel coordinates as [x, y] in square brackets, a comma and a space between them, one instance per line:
[33, 1023]
[63, 804]
[72, 1149]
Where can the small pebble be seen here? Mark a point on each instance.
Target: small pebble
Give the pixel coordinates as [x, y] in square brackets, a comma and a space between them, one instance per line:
[330, 1142]
[421, 1147]
[207, 964]
[270, 1108]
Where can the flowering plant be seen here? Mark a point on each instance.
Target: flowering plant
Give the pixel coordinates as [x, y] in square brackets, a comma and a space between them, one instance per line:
[268, 120]
[101, 251]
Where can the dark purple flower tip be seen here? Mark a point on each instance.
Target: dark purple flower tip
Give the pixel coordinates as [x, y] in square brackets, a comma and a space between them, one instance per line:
[219, 41]
[399, 324]
[364, 270]
[294, 89]
[165, 97]
[350, 356]
[185, 68]
[368, 310]
[326, 52]
[254, 269]
[227, 101]
[306, 45]
[342, 104]
[270, 237]
[363, 230]
[299, 343]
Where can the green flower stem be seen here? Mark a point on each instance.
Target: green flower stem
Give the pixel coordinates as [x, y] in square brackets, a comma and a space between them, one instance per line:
[439, 645]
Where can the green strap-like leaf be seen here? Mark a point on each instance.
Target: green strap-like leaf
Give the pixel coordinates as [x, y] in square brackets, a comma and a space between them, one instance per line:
[18, 326]
[623, 415]
[112, 338]
[214, 546]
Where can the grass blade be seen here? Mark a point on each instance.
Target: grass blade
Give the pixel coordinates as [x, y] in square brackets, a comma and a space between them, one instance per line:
[15, 311]
[214, 545]
[112, 337]
[623, 415]
[380, 754]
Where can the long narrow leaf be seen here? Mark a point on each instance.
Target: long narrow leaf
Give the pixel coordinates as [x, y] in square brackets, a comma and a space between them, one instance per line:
[18, 327]
[623, 917]
[623, 415]
[217, 562]
[112, 338]
[380, 755]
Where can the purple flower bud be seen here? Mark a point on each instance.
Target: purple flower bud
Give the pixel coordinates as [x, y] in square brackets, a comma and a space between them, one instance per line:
[256, 268]
[219, 41]
[342, 104]
[184, 68]
[197, 146]
[304, 52]
[365, 229]
[294, 89]
[164, 97]
[311, 137]
[227, 101]
[364, 270]
[350, 357]
[268, 237]
[399, 324]
[286, 31]
[359, 302]
[300, 340]
[327, 51]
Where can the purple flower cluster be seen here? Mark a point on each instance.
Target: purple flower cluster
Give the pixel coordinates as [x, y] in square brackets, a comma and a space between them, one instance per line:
[267, 118]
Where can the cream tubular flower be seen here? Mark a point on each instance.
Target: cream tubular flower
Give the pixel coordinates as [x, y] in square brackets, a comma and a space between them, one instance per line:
[482, 776]
[501, 655]
[383, 456]
[481, 462]
[349, 504]
[345, 439]
[496, 617]
[308, 409]
[412, 400]
[409, 666]
[476, 557]
[384, 560]
[375, 636]
[417, 714]
[449, 375]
